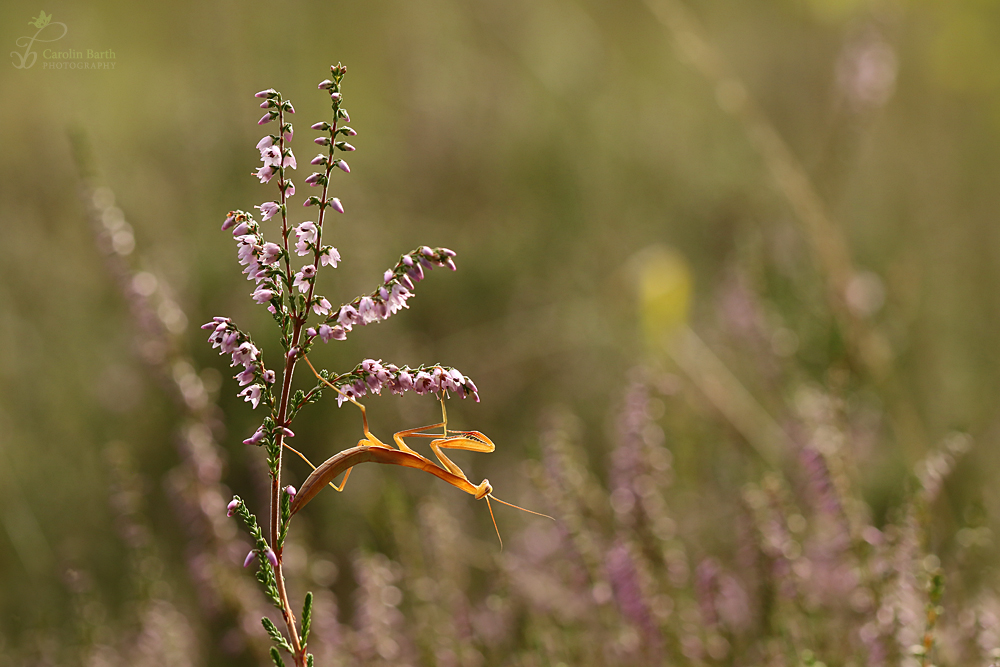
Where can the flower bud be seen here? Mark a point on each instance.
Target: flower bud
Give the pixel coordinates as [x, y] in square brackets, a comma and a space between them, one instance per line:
[450, 264]
[319, 159]
[348, 131]
[447, 253]
[336, 205]
[289, 108]
[324, 85]
[292, 353]
[290, 490]
[387, 276]
[335, 96]
[343, 166]
[321, 126]
[344, 146]
[266, 118]
[248, 559]
[271, 557]
[342, 113]
[288, 432]
[230, 221]
[322, 141]
[231, 507]
[270, 92]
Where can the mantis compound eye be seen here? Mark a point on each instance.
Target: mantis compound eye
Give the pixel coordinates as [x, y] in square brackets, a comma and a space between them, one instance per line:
[484, 489]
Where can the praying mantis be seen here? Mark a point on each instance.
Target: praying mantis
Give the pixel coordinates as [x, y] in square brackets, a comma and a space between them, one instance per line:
[370, 448]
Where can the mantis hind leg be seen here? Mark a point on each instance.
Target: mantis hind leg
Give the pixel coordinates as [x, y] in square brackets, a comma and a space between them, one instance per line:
[309, 463]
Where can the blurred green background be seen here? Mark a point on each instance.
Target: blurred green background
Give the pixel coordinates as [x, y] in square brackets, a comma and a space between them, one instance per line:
[549, 143]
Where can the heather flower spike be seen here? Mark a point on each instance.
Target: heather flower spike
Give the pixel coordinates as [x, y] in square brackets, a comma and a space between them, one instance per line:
[268, 252]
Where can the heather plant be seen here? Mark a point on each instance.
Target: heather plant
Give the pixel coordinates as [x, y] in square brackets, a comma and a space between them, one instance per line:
[304, 317]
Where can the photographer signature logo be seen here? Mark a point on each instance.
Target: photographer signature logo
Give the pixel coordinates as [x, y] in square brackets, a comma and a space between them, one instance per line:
[52, 33]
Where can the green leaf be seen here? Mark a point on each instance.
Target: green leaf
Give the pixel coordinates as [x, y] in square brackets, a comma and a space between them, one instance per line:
[278, 662]
[275, 634]
[307, 616]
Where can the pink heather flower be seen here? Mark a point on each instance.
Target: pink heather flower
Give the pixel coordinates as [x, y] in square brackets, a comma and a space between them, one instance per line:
[269, 376]
[289, 160]
[314, 179]
[329, 256]
[450, 264]
[231, 507]
[246, 251]
[397, 299]
[349, 131]
[246, 376]
[268, 210]
[251, 395]
[289, 132]
[249, 558]
[324, 85]
[288, 432]
[322, 126]
[266, 118]
[257, 436]
[344, 146]
[306, 234]
[336, 205]
[270, 92]
[387, 276]
[407, 260]
[319, 159]
[366, 309]
[405, 381]
[263, 295]
[303, 277]
[289, 188]
[423, 383]
[321, 306]
[289, 108]
[426, 252]
[322, 141]
[381, 310]
[405, 281]
[271, 253]
[229, 221]
[447, 253]
[335, 96]
[229, 342]
[271, 558]
[290, 490]
[343, 166]
[265, 173]
[416, 273]
[245, 354]
[265, 142]
[343, 114]
[328, 333]
[454, 380]
[271, 156]
[348, 316]
[241, 229]
[371, 366]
